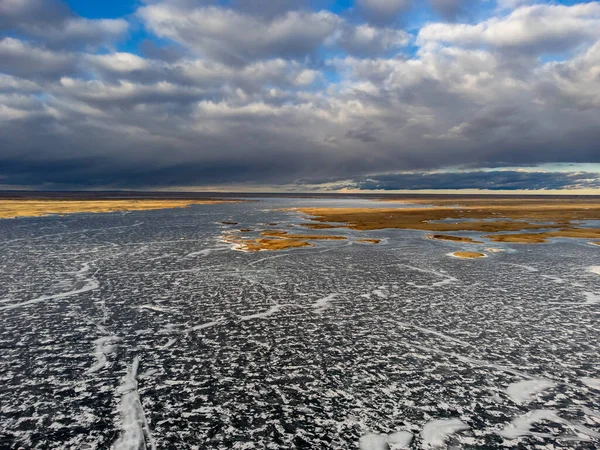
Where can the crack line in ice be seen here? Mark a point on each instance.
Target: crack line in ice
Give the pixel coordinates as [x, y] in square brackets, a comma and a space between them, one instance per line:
[206, 325]
[522, 266]
[436, 333]
[521, 426]
[136, 432]
[591, 298]
[90, 285]
[70, 232]
[155, 308]
[266, 259]
[206, 252]
[476, 362]
[261, 315]
[169, 343]
[324, 303]
[483, 363]
[448, 279]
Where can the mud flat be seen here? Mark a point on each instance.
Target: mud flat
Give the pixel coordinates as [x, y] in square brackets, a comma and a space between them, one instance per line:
[530, 220]
[14, 208]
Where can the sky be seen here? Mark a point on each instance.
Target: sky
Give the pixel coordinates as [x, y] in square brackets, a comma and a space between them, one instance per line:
[300, 95]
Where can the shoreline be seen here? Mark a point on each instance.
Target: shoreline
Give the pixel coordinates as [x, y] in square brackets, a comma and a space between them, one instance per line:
[15, 209]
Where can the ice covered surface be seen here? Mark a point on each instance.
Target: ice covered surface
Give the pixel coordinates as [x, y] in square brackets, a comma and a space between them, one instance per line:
[142, 330]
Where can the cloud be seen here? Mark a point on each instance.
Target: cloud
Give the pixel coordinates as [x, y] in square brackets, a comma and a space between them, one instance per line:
[451, 9]
[236, 38]
[532, 29]
[275, 93]
[22, 59]
[489, 180]
[365, 40]
[382, 12]
[54, 24]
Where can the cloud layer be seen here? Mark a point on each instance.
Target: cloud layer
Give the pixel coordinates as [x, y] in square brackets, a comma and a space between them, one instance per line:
[276, 94]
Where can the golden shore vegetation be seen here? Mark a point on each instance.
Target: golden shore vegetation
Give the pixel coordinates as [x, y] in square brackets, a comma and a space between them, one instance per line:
[12, 208]
[468, 255]
[276, 240]
[515, 220]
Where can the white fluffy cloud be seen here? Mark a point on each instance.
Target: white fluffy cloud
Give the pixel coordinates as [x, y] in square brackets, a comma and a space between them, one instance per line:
[537, 29]
[229, 36]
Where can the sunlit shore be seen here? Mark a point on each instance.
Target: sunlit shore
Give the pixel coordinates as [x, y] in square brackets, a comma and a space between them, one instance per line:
[10, 209]
[509, 220]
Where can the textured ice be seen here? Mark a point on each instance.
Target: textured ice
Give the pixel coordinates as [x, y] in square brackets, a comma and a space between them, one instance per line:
[336, 346]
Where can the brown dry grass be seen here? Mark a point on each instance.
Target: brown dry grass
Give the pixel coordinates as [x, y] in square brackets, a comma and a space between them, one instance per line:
[468, 255]
[445, 237]
[275, 240]
[255, 245]
[36, 208]
[509, 215]
[277, 233]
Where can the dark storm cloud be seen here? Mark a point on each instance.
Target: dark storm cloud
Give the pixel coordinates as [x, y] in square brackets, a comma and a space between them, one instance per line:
[496, 180]
[382, 12]
[52, 23]
[451, 9]
[273, 92]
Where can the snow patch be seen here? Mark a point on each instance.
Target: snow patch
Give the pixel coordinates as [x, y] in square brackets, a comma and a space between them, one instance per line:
[323, 303]
[436, 432]
[593, 383]
[103, 346]
[523, 392]
[394, 441]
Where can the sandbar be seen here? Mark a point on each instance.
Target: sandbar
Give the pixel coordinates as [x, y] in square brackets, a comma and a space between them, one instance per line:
[468, 255]
[369, 241]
